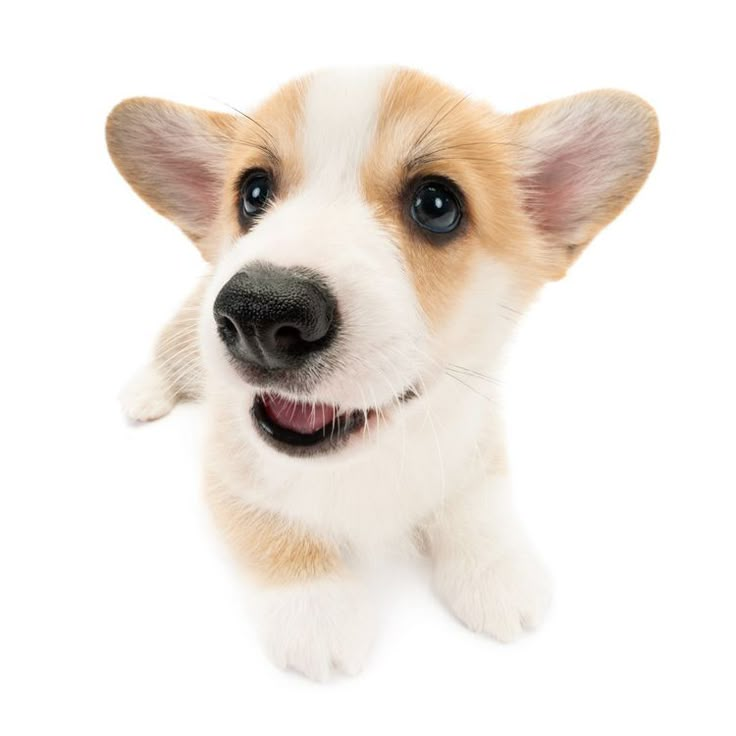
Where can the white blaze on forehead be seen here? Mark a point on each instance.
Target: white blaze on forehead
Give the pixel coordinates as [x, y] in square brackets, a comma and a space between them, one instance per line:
[340, 116]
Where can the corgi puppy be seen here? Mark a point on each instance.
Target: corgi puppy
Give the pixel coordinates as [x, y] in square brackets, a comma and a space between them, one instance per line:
[369, 234]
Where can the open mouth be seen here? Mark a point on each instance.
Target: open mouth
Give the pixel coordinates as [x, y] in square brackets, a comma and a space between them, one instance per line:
[307, 428]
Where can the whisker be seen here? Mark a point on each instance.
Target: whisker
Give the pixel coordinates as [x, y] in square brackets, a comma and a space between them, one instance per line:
[472, 373]
[468, 386]
[436, 121]
[249, 118]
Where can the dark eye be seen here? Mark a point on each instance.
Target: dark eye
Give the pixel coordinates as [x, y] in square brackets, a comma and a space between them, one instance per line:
[436, 207]
[255, 193]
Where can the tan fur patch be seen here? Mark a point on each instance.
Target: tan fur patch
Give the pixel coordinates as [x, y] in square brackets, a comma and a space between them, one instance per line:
[269, 139]
[273, 549]
[427, 129]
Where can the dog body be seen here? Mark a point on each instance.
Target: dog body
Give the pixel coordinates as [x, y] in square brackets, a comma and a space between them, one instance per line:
[373, 236]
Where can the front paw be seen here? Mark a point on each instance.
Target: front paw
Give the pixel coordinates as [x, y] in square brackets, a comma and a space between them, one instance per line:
[147, 396]
[318, 628]
[502, 597]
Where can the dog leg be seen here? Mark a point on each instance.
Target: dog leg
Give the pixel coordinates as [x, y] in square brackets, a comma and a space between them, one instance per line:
[484, 568]
[314, 615]
[174, 374]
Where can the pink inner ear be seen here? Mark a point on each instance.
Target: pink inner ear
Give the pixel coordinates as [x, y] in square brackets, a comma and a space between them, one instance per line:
[563, 192]
[179, 160]
[194, 188]
[552, 194]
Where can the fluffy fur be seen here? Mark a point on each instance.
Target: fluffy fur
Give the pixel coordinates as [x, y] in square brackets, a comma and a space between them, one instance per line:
[344, 147]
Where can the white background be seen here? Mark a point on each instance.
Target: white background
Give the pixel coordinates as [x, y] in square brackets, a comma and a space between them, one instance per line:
[120, 611]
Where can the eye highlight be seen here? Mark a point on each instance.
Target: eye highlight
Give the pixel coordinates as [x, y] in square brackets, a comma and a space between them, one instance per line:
[435, 206]
[255, 193]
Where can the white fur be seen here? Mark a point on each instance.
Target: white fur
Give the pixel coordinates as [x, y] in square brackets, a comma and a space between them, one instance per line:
[403, 467]
[318, 628]
[340, 116]
[405, 473]
[484, 569]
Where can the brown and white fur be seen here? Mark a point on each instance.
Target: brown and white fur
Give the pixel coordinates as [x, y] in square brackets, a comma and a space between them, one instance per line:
[344, 147]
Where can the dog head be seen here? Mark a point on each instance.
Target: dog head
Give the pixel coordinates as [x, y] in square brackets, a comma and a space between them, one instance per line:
[369, 229]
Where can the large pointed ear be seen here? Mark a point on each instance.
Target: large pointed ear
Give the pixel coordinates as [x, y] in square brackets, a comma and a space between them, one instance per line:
[581, 160]
[174, 157]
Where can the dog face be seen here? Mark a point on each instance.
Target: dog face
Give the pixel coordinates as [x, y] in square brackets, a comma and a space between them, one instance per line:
[368, 229]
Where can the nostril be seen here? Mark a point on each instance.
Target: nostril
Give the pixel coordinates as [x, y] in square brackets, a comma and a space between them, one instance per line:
[227, 329]
[288, 337]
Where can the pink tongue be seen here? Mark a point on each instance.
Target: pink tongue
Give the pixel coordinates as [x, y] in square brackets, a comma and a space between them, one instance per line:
[296, 416]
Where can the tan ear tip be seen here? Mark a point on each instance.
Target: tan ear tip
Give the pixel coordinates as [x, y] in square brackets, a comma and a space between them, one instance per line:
[128, 111]
[653, 121]
[642, 114]
[650, 121]
[646, 113]
[112, 127]
[116, 120]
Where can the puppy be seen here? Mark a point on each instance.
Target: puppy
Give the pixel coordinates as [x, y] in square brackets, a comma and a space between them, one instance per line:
[372, 235]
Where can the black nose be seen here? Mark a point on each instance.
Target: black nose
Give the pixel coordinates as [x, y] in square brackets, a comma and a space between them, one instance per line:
[275, 317]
